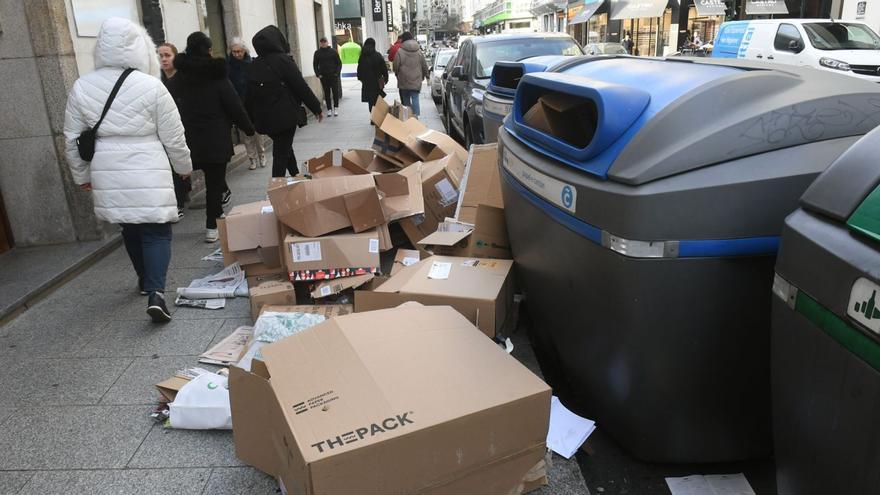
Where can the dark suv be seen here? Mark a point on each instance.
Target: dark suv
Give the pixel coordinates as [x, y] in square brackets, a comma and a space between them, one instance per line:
[470, 70]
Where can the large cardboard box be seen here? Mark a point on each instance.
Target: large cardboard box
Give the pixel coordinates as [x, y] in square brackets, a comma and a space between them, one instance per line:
[320, 206]
[440, 190]
[405, 400]
[331, 256]
[250, 236]
[481, 290]
[271, 292]
[481, 184]
[485, 238]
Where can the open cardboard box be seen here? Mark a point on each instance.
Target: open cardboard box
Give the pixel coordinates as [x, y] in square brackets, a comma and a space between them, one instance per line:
[440, 190]
[406, 400]
[255, 262]
[481, 184]
[481, 290]
[332, 256]
[485, 238]
[339, 163]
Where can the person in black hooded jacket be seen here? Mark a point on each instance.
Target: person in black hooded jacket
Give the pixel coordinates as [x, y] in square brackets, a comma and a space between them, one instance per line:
[208, 107]
[276, 91]
[372, 72]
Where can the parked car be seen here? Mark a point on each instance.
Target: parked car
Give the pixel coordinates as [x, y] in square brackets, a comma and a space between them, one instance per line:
[850, 48]
[471, 69]
[440, 60]
[605, 48]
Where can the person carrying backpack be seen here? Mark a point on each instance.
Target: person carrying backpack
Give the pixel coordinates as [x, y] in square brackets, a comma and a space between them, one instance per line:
[275, 96]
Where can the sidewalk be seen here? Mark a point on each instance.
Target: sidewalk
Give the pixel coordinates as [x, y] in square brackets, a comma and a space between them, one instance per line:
[80, 365]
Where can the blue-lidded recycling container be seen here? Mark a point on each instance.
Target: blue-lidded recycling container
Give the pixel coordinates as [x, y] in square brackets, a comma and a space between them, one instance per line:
[826, 321]
[644, 214]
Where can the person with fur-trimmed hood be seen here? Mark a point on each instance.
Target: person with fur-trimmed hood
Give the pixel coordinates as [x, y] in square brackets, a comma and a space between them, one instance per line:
[209, 106]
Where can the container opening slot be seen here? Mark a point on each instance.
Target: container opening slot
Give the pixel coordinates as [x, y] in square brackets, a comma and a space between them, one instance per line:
[507, 76]
[569, 118]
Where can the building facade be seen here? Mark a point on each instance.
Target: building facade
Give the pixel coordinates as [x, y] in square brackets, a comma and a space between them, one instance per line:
[46, 44]
[502, 16]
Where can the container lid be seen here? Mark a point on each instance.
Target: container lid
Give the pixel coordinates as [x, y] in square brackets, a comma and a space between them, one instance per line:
[849, 191]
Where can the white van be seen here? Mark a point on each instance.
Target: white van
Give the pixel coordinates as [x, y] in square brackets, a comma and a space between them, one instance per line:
[841, 46]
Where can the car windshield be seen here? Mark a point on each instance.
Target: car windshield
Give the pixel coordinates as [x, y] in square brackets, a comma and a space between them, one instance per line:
[517, 49]
[443, 59]
[841, 36]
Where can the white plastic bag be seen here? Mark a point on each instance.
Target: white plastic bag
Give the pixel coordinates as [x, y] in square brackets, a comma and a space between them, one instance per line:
[202, 404]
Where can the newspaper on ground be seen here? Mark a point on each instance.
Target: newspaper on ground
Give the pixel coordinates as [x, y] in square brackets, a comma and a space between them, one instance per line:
[714, 484]
[200, 303]
[229, 350]
[218, 286]
[568, 431]
[215, 256]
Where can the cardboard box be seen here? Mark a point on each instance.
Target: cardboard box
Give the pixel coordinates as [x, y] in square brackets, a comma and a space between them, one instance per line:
[404, 258]
[335, 286]
[328, 310]
[481, 184]
[485, 238]
[271, 292]
[370, 161]
[406, 400]
[440, 190]
[481, 290]
[384, 233]
[320, 206]
[331, 256]
[280, 275]
[572, 120]
[249, 235]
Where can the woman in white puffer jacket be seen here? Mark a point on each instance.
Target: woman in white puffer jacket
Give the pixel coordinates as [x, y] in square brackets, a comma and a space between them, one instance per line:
[138, 142]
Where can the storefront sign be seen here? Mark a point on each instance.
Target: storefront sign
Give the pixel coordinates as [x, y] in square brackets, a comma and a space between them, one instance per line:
[765, 7]
[389, 17]
[636, 9]
[710, 7]
[347, 9]
[377, 10]
[860, 10]
[586, 10]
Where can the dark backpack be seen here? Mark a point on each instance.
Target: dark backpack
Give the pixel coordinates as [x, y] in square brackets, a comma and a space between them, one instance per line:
[273, 107]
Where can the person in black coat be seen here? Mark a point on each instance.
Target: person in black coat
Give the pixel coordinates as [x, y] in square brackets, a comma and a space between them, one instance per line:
[327, 67]
[208, 108]
[238, 60]
[372, 72]
[276, 93]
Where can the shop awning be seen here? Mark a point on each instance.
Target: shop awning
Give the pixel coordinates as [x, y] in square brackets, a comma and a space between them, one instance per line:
[765, 7]
[710, 7]
[636, 9]
[589, 8]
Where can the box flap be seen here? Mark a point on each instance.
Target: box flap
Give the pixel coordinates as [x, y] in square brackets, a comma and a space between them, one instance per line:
[444, 238]
[364, 209]
[403, 192]
[468, 278]
[369, 160]
[332, 287]
[251, 225]
[482, 182]
[404, 258]
[380, 110]
[316, 207]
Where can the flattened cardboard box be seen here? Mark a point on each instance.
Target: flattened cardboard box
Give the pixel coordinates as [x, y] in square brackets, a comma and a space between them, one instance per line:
[481, 290]
[335, 286]
[320, 206]
[481, 184]
[406, 400]
[331, 256]
[487, 239]
[280, 293]
[257, 262]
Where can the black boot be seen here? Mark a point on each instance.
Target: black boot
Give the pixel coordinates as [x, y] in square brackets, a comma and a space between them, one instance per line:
[156, 308]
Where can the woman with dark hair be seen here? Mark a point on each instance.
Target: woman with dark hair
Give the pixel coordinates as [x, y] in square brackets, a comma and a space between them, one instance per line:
[182, 187]
[372, 73]
[208, 107]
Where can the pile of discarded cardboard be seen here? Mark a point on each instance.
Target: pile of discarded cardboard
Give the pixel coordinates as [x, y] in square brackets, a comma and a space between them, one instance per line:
[398, 391]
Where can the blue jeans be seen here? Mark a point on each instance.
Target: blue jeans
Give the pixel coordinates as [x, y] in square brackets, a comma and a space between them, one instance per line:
[410, 98]
[149, 247]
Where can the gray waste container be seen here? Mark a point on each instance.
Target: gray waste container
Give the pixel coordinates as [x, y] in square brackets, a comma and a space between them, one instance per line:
[826, 320]
[644, 207]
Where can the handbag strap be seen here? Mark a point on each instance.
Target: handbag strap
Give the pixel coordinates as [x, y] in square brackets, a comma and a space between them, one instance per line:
[112, 96]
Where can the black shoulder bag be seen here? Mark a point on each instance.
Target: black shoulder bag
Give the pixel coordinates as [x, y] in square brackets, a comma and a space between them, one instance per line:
[300, 116]
[86, 141]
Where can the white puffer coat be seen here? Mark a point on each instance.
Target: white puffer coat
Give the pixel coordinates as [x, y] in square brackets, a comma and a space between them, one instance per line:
[130, 172]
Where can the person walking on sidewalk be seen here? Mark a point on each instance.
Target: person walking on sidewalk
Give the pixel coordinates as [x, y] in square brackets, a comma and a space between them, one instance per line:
[208, 107]
[411, 68]
[239, 59]
[373, 74]
[182, 187]
[275, 96]
[138, 141]
[328, 65]
[392, 52]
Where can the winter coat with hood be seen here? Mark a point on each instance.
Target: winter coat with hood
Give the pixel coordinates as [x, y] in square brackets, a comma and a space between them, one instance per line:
[141, 137]
[208, 107]
[410, 66]
[273, 66]
[371, 67]
[326, 62]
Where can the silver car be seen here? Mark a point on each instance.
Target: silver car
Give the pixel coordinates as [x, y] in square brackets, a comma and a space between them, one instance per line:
[440, 60]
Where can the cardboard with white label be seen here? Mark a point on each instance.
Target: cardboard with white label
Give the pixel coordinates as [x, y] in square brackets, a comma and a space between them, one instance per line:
[406, 400]
[331, 256]
[404, 258]
[480, 289]
[440, 187]
[335, 286]
[319, 206]
[271, 292]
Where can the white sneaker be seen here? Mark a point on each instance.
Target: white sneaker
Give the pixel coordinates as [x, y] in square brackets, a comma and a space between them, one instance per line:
[253, 165]
[212, 235]
[262, 161]
[335, 114]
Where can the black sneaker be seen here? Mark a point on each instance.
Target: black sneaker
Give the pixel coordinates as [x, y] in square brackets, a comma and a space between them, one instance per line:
[141, 286]
[156, 308]
[227, 196]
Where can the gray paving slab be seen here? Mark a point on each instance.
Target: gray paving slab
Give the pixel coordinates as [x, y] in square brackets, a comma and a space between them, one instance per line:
[13, 481]
[137, 384]
[165, 447]
[138, 338]
[235, 481]
[77, 437]
[229, 326]
[46, 336]
[5, 413]
[58, 382]
[112, 482]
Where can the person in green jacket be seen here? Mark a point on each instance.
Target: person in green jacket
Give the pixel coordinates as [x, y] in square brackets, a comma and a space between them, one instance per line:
[350, 52]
